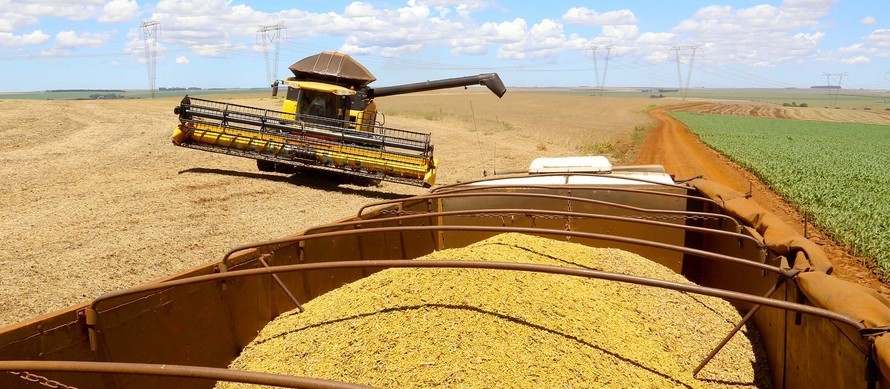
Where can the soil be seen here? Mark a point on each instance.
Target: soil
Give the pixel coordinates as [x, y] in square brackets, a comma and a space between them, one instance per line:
[682, 153]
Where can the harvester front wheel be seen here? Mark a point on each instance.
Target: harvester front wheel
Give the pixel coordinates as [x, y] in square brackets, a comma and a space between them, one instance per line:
[364, 181]
[265, 166]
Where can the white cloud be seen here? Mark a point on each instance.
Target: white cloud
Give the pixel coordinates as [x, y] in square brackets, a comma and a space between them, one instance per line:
[543, 40]
[874, 45]
[10, 22]
[879, 38]
[359, 9]
[468, 46]
[657, 57]
[621, 33]
[583, 15]
[182, 60]
[115, 63]
[17, 14]
[869, 21]
[714, 12]
[512, 31]
[71, 39]
[36, 37]
[856, 60]
[463, 8]
[854, 48]
[116, 11]
[656, 38]
[216, 50]
[760, 35]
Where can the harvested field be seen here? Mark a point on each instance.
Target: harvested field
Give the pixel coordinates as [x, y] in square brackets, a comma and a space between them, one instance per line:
[422, 328]
[95, 198]
[798, 113]
[588, 124]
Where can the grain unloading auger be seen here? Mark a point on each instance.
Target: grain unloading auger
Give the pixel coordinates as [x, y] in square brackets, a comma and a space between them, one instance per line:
[328, 122]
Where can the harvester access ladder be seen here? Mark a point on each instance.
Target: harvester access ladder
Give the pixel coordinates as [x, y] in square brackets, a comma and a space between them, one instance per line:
[304, 141]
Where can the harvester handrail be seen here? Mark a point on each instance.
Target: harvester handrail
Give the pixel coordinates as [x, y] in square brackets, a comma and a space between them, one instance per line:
[225, 117]
[266, 119]
[571, 188]
[524, 230]
[493, 265]
[548, 196]
[344, 134]
[600, 175]
[165, 370]
[301, 138]
[531, 212]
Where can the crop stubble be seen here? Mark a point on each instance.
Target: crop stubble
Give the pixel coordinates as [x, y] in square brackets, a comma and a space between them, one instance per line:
[482, 328]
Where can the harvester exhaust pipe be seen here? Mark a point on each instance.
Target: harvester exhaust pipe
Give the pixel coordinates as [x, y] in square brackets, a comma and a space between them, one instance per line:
[490, 80]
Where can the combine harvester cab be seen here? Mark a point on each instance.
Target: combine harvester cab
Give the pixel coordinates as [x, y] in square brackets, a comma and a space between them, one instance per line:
[328, 122]
[182, 331]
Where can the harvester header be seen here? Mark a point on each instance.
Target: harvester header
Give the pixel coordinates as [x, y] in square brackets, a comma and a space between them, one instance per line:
[280, 140]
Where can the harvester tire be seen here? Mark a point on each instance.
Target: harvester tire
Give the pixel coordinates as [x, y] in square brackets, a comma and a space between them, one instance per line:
[285, 168]
[365, 181]
[265, 166]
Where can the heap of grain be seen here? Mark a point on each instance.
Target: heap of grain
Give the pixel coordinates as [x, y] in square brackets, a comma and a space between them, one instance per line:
[465, 328]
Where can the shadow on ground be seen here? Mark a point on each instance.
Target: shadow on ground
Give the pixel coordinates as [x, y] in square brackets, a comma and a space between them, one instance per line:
[307, 179]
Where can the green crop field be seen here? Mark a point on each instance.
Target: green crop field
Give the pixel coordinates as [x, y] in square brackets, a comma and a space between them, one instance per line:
[837, 172]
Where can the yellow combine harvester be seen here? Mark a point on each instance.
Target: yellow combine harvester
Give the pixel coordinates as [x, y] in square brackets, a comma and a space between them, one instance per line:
[328, 122]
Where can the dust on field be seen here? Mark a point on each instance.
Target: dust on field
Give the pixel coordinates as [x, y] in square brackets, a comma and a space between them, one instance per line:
[95, 198]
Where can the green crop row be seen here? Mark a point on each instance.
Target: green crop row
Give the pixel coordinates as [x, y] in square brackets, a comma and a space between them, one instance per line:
[837, 172]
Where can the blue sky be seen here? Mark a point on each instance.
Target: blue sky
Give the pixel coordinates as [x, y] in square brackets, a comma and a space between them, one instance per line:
[92, 44]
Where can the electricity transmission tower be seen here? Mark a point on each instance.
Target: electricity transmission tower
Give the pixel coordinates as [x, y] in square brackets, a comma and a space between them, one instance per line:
[691, 49]
[832, 97]
[150, 36]
[596, 53]
[271, 35]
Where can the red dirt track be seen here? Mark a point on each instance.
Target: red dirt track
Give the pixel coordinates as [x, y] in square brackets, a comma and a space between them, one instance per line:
[683, 154]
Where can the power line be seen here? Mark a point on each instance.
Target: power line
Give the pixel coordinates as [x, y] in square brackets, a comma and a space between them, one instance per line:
[655, 77]
[271, 35]
[150, 36]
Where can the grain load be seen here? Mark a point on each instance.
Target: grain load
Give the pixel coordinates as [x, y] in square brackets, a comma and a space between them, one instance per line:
[403, 328]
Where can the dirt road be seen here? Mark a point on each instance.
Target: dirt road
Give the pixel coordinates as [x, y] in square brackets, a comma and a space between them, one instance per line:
[683, 154]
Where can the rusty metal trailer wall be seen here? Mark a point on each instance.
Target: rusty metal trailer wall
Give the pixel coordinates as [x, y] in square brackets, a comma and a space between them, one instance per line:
[208, 324]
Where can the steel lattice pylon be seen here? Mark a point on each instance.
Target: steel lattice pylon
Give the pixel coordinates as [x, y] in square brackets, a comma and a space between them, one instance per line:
[271, 35]
[600, 84]
[832, 97]
[150, 36]
[691, 49]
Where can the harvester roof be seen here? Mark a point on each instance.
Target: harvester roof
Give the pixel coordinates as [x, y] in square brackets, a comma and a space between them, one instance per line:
[334, 67]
